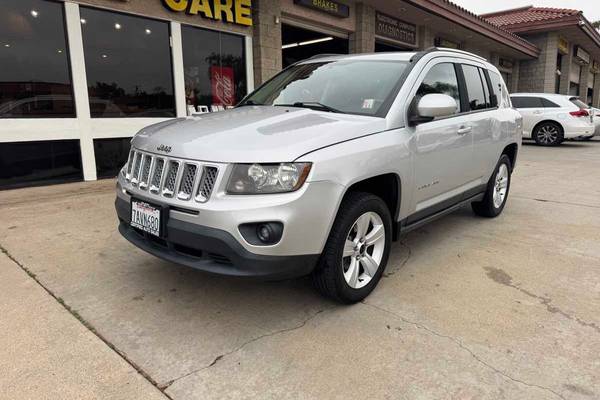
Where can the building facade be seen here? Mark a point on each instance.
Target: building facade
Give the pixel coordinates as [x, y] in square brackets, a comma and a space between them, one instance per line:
[79, 78]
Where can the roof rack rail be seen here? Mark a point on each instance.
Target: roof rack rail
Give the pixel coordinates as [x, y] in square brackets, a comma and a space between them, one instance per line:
[323, 55]
[466, 53]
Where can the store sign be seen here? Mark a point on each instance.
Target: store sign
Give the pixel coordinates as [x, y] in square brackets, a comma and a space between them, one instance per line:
[395, 29]
[448, 44]
[582, 55]
[223, 85]
[235, 12]
[563, 45]
[328, 6]
[595, 67]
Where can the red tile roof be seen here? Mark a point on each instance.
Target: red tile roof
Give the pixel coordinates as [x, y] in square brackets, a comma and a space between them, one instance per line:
[529, 14]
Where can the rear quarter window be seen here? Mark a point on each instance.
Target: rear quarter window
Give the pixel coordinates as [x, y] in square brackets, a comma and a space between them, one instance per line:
[527, 102]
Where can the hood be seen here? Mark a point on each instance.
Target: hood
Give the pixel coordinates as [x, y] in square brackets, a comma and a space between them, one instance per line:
[254, 134]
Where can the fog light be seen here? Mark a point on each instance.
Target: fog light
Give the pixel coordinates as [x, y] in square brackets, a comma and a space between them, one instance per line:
[262, 233]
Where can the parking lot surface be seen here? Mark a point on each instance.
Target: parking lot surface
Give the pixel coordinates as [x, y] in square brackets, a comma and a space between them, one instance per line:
[469, 308]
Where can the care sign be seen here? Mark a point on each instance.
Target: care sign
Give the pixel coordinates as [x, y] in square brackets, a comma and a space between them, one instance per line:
[233, 11]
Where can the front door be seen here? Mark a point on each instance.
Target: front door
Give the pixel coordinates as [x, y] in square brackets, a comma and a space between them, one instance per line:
[443, 148]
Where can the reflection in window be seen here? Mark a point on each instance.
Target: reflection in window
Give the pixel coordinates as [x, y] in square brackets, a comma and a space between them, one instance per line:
[215, 68]
[441, 79]
[128, 65]
[37, 163]
[111, 155]
[474, 88]
[35, 81]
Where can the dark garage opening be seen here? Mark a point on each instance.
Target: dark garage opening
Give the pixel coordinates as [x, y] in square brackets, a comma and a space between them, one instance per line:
[382, 47]
[299, 44]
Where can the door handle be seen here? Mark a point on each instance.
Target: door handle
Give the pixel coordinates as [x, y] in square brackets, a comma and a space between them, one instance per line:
[463, 130]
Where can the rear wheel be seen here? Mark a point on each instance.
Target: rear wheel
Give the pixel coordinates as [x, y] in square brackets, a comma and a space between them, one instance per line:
[497, 191]
[548, 134]
[357, 249]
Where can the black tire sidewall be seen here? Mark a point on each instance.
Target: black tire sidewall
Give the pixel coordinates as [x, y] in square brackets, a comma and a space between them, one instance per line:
[351, 211]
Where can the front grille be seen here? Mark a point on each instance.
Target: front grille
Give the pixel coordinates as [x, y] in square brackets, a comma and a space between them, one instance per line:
[169, 177]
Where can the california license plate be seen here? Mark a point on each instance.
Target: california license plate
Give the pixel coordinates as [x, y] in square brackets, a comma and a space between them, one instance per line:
[146, 217]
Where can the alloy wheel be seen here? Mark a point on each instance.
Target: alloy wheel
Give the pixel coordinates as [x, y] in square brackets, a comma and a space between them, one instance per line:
[548, 134]
[363, 250]
[500, 185]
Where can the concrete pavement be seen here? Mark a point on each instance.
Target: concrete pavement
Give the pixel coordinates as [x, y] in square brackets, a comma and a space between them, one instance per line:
[470, 308]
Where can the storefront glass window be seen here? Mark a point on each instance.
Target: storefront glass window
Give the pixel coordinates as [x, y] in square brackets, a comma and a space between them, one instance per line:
[35, 80]
[215, 69]
[128, 65]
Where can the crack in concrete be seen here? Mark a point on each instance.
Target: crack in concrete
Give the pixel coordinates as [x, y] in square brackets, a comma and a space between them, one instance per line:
[500, 276]
[465, 348]
[556, 202]
[84, 322]
[235, 350]
[404, 262]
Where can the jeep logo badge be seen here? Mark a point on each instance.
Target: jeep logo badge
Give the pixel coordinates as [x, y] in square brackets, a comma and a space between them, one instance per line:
[164, 148]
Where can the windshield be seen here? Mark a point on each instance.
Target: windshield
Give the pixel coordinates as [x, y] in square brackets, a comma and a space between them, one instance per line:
[347, 86]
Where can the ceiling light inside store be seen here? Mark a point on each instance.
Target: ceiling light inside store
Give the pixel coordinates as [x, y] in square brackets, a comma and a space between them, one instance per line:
[83, 21]
[325, 39]
[117, 26]
[7, 45]
[148, 31]
[104, 56]
[287, 46]
[34, 13]
[59, 50]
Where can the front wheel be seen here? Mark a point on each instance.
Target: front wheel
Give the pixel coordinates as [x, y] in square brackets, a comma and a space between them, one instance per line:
[496, 193]
[357, 249]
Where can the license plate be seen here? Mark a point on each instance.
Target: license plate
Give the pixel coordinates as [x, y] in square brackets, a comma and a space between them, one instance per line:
[146, 217]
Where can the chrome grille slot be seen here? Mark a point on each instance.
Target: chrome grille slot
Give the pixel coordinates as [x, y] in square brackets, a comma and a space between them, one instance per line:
[207, 184]
[145, 173]
[130, 164]
[135, 175]
[171, 179]
[186, 187]
[159, 166]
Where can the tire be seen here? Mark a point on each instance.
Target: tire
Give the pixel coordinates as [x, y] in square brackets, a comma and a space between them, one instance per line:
[352, 277]
[548, 134]
[497, 190]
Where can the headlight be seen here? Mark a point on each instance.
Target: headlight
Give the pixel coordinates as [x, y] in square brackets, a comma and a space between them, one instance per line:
[267, 178]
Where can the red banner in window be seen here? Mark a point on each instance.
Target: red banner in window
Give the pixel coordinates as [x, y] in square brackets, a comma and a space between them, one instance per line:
[223, 86]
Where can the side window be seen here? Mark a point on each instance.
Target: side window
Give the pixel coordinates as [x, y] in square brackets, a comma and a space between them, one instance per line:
[486, 89]
[476, 93]
[499, 90]
[441, 79]
[549, 104]
[527, 102]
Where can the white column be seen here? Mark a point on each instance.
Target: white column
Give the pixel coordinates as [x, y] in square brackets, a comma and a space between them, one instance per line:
[80, 90]
[249, 64]
[178, 73]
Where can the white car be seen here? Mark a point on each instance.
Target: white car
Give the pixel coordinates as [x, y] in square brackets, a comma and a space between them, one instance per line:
[319, 169]
[549, 119]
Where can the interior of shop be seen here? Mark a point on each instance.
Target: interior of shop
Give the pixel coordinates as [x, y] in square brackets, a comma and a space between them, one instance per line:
[300, 43]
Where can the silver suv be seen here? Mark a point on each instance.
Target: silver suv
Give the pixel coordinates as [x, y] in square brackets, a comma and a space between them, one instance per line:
[322, 167]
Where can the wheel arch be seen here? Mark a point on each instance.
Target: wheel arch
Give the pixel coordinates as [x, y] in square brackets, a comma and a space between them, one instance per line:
[562, 128]
[386, 186]
[511, 150]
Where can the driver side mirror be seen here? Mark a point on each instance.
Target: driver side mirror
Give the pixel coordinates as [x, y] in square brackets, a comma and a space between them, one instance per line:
[431, 106]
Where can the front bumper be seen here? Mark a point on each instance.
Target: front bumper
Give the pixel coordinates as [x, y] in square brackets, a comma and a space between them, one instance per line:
[212, 250]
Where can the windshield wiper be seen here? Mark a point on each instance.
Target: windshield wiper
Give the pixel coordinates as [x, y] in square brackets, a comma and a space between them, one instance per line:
[315, 105]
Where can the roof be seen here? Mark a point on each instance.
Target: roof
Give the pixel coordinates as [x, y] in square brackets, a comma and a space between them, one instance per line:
[547, 95]
[469, 20]
[528, 14]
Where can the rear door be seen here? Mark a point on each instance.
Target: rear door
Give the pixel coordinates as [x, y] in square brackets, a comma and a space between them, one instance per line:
[531, 109]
